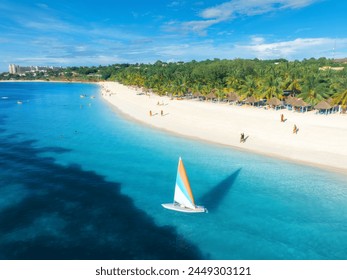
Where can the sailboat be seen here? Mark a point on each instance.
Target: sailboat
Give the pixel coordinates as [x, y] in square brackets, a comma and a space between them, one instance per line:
[183, 197]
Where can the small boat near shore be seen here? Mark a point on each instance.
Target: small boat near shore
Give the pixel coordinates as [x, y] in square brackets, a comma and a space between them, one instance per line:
[183, 197]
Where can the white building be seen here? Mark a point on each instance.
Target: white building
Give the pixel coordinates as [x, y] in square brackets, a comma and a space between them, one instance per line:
[13, 68]
[16, 69]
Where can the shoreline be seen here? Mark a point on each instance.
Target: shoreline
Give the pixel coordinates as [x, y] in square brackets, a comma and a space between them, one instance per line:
[320, 141]
[45, 81]
[318, 153]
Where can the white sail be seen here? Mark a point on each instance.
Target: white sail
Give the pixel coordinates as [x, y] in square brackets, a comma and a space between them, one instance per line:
[183, 197]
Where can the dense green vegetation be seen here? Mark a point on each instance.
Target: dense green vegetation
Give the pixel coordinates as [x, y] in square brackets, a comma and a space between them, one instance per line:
[262, 79]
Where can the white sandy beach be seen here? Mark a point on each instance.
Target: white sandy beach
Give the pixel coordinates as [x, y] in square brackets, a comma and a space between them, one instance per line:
[320, 141]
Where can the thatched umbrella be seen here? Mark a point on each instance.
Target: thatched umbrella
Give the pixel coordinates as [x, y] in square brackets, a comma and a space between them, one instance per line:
[211, 95]
[323, 105]
[290, 100]
[251, 100]
[197, 94]
[301, 104]
[274, 102]
[232, 97]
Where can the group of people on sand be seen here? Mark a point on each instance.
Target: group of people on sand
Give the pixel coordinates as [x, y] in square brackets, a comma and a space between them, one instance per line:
[295, 128]
[161, 113]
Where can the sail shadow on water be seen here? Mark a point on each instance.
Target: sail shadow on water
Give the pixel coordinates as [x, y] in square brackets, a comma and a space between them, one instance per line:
[214, 198]
[69, 213]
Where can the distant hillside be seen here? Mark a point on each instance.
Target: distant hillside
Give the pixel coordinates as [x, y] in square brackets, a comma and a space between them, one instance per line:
[340, 60]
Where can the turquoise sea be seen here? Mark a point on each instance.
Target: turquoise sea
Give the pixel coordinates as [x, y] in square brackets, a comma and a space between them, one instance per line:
[79, 181]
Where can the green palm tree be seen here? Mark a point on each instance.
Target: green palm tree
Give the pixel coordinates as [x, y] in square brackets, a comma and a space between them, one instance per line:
[250, 87]
[340, 97]
[313, 91]
[272, 88]
[178, 87]
[292, 83]
[232, 83]
[206, 89]
[196, 88]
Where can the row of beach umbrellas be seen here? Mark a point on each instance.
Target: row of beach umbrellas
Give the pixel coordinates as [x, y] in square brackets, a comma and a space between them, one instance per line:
[274, 102]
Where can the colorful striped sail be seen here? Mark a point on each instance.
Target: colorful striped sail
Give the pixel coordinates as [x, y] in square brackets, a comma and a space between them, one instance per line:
[183, 193]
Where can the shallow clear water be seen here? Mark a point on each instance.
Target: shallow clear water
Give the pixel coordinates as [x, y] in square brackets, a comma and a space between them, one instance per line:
[79, 181]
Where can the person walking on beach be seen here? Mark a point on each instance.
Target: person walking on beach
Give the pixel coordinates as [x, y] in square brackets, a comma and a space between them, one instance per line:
[295, 129]
[161, 113]
[150, 113]
[242, 138]
[282, 118]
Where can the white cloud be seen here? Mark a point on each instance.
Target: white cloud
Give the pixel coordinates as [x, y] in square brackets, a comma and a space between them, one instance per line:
[160, 49]
[81, 48]
[68, 61]
[193, 50]
[252, 7]
[298, 48]
[198, 26]
[257, 47]
[256, 40]
[46, 24]
[216, 12]
[235, 8]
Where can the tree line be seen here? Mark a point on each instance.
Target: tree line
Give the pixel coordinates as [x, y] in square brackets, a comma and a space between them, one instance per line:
[311, 79]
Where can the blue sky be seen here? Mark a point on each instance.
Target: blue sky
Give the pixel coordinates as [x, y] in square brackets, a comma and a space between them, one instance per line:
[84, 32]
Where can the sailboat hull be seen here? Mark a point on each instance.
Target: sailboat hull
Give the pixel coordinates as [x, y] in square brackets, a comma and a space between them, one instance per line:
[177, 207]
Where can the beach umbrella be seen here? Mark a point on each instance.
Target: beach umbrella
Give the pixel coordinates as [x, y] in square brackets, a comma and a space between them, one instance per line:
[274, 102]
[197, 94]
[232, 96]
[211, 95]
[290, 100]
[251, 100]
[301, 103]
[323, 105]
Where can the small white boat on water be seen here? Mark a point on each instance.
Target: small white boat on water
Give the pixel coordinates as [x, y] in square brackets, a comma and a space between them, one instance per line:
[19, 102]
[183, 197]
